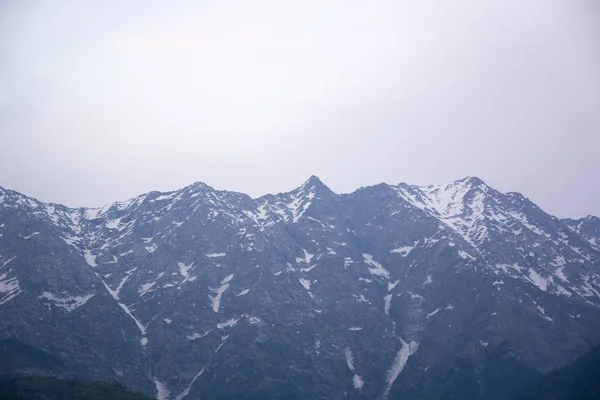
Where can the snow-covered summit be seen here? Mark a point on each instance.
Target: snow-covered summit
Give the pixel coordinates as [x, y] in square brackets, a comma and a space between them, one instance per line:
[385, 283]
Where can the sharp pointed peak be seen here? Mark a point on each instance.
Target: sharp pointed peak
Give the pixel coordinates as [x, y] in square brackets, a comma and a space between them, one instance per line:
[313, 182]
[198, 185]
[472, 180]
[314, 185]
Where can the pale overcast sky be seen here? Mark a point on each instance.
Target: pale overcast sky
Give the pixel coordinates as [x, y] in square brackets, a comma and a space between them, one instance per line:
[103, 100]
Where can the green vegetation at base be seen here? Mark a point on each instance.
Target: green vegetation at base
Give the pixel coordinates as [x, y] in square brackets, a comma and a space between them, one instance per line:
[578, 381]
[46, 388]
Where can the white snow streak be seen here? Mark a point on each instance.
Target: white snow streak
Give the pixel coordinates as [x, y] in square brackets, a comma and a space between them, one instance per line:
[399, 363]
[216, 299]
[538, 280]
[349, 359]
[90, 258]
[113, 223]
[216, 255]
[115, 293]
[228, 324]
[306, 259]
[195, 335]
[431, 314]
[227, 279]
[357, 382]
[391, 286]
[187, 390]
[5, 263]
[543, 314]
[560, 274]
[298, 207]
[146, 287]
[464, 255]
[9, 287]
[305, 283]
[68, 303]
[30, 236]
[403, 251]
[451, 205]
[505, 267]
[184, 270]
[388, 303]
[377, 267]
[562, 291]
[162, 393]
[141, 327]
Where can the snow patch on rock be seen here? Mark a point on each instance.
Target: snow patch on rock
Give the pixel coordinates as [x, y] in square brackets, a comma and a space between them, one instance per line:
[375, 268]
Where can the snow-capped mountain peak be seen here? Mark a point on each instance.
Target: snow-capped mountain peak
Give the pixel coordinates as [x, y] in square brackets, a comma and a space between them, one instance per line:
[204, 291]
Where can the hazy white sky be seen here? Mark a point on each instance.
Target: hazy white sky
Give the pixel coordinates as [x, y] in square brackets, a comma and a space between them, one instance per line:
[100, 101]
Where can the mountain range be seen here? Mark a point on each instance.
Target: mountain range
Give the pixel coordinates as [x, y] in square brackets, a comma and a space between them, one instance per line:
[453, 291]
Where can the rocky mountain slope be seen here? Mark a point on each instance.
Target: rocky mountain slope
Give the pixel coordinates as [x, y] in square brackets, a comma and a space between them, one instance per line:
[578, 381]
[385, 292]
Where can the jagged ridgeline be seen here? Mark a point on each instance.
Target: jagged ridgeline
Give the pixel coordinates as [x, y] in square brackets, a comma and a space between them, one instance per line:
[392, 291]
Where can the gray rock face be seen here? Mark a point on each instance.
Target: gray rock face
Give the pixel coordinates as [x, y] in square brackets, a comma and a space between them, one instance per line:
[201, 293]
